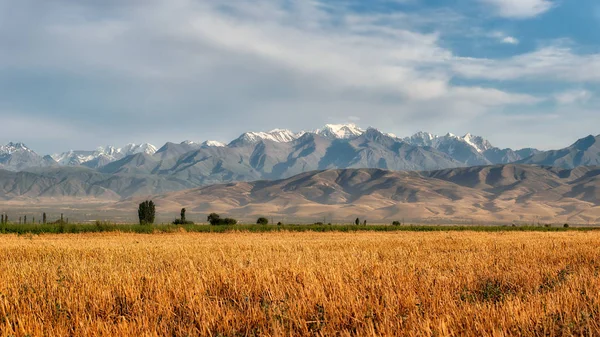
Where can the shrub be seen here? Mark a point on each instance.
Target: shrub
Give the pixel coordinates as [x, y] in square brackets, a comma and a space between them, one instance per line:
[180, 222]
[396, 223]
[215, 220]
[566, 225]
[262, 221]
[228, 221]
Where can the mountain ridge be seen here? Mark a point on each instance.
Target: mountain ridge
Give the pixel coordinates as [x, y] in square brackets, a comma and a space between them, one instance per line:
[105, 155]
[280, 153]
[497, 193]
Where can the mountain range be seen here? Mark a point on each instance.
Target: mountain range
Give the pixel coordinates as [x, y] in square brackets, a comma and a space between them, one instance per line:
[498, 193]
[446, 151]
[142, 169]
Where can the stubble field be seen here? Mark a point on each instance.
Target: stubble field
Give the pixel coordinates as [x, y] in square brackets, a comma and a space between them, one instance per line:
[301, 284]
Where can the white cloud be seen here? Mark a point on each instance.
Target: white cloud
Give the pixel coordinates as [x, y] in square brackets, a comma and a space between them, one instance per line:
[519, 9]
[503, 38]
[556, 62]
[574, 96]
[226, 67]
[510, 40]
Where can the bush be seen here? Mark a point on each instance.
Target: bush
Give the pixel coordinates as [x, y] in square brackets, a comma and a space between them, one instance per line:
[228, 221]
[396, 223]
[262, 221]
[215, 220]
[180, 222]
[566, 225]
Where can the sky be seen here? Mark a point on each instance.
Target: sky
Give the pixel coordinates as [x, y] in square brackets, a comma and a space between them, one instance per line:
[77, 74]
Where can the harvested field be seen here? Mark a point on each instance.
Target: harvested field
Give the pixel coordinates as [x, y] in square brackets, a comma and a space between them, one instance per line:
[301, 284]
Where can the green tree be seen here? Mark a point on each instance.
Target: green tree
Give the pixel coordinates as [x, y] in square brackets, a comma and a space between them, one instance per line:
[396, 223]
[357, 221]
[214, 219]
[228, 222]
[44, 218]
[365, 222]
[262, 221]
[146, 212]
[182, 220]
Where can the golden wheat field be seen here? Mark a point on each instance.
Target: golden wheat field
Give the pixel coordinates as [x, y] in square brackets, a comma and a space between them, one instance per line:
[301, 284]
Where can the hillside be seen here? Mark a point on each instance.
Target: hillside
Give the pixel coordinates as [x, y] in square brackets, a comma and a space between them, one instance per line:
[488, 193]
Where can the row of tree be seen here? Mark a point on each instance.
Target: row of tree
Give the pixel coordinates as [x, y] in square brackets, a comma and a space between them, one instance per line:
[147, 214]
[23, 220]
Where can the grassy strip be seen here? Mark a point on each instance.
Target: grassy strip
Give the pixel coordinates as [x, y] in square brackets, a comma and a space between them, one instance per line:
[148, 229]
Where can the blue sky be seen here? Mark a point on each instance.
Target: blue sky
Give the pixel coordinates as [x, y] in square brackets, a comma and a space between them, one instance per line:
[79, 74]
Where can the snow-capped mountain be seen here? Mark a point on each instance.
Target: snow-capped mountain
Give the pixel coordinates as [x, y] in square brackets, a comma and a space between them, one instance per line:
[427, 139]
[17, 157]
[102, 155]
[466, 150]
[213, 143]
[11, 148]
[146, 148]
[276, 135]
[479, 143]
[340, 131]
[421, 139]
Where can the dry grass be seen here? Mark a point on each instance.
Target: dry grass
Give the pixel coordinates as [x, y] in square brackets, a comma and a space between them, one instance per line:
[246, 284]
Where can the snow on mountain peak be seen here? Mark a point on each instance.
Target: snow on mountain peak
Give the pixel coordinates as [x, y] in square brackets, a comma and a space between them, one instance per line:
[213, 143]
[421, 139]
[340, 131]
[480, 144]
[11, 148]
[275, 135]
[131, 148]
[108, 153]
[428, 139]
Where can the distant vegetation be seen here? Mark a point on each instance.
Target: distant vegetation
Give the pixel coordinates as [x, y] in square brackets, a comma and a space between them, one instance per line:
[146, 212]
[216, 220]
[229, 225]
[182, 220]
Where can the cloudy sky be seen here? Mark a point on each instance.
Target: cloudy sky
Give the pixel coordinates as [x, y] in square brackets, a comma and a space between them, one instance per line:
[76, 74]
